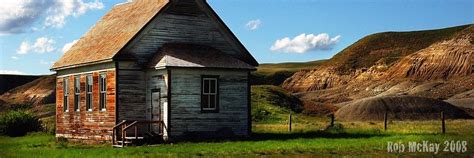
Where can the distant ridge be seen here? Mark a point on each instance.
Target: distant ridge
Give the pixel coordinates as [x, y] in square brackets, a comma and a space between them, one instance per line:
[8, 82]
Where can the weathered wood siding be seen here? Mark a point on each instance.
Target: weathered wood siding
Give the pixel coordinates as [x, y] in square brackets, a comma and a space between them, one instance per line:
[85, 125]
[184, 22]
[185, 114]
[131, 92]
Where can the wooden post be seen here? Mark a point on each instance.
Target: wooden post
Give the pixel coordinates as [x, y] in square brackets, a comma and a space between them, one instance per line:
[289, 123]
[385, 119]
[331, 116]
[443, 125]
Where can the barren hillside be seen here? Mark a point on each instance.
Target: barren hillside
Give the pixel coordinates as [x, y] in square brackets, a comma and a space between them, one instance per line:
[440, 67]
[38, 92]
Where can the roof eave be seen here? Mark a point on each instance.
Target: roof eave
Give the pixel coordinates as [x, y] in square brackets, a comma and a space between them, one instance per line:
[80, 65]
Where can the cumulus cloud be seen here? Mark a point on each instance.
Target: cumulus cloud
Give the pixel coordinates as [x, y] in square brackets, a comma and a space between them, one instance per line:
[18, 15]
[41, 45]
[253, 24]
[305, 43]
[15, 58]
[12, 72]
[15, 15]
[57, 14]
[68, 46]
[43, 62]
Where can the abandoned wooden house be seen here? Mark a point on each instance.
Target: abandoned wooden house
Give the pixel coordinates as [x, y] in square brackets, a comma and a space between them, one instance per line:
[165, 69]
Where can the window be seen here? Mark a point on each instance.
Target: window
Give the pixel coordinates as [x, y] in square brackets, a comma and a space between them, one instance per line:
[89, 92]
[103, 92]
[77, 92]
[66, 94]
[209, 95]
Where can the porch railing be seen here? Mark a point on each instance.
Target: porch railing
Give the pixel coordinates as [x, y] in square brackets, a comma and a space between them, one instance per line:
[125, 125]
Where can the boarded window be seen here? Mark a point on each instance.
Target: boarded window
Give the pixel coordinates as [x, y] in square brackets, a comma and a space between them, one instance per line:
[77, 92]
[209, 94]
[89, 82]
[66, 94]
[103, 91]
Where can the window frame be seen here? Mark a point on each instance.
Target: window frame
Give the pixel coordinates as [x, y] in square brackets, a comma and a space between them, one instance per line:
[207, 108]
[103, 91]
[77, 93]
[89, 92]
[66, 94]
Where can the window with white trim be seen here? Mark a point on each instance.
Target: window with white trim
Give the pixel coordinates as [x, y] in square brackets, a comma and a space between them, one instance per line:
[66, 94]
[77, 92]
[89, 82]
[209, 94]
[103, 91]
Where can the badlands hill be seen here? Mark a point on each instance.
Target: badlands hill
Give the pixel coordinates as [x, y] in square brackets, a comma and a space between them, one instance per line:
[436, 64]
[30, 95]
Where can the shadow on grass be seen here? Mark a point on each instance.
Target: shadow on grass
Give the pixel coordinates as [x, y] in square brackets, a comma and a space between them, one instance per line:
[310, 134]
[263, 136]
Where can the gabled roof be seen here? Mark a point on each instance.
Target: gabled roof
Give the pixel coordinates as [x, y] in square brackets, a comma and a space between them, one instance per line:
[111, 33]
[118, 28]
[190, 55]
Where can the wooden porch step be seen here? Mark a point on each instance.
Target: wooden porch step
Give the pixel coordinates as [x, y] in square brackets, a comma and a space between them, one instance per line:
[134, 138]
[117, 146]
[126, 142]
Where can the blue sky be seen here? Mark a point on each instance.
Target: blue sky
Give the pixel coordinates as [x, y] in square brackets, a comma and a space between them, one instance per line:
[34, 35]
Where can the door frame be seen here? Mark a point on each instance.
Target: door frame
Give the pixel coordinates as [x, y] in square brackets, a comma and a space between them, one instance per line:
[153, 91]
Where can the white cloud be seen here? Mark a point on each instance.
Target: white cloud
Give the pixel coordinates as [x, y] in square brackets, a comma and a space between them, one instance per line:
[57, 14]
[253, 24]
[12, 72]
[18, 15]
[43, 62]
[41, 45]
[304, 43]
[24, 48]
[15, 58]
[68, 46]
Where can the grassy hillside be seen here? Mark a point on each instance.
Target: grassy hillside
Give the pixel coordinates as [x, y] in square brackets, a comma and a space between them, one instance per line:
[272, 103]
[387, 47]
[8, 82]
[275, 74]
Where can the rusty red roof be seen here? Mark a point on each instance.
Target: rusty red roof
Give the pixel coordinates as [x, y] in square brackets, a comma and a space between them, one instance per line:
[111, 33]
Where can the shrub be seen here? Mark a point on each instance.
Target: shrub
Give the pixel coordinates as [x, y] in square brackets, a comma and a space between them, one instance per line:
[337, 128]
[18, 123]
[259, 114]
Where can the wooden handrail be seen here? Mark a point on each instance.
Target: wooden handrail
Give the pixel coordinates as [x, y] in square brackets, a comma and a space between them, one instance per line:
[114, 136]
[134, 124]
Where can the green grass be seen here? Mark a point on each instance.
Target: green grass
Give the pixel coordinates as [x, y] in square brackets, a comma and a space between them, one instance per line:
[291, 66]
[307, 140]
[276, 74]
[273, 104]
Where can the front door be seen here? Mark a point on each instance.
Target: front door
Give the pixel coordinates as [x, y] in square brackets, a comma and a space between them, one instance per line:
[156, 109]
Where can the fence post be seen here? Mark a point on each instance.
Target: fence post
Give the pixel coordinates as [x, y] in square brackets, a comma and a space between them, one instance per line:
[385, 119]
[332, 120]
[443, 124]
[289, 122]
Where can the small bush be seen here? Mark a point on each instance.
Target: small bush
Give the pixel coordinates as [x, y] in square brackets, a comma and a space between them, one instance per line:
[20, 107]
[259, 114]
[337, 128]
[19, 123]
